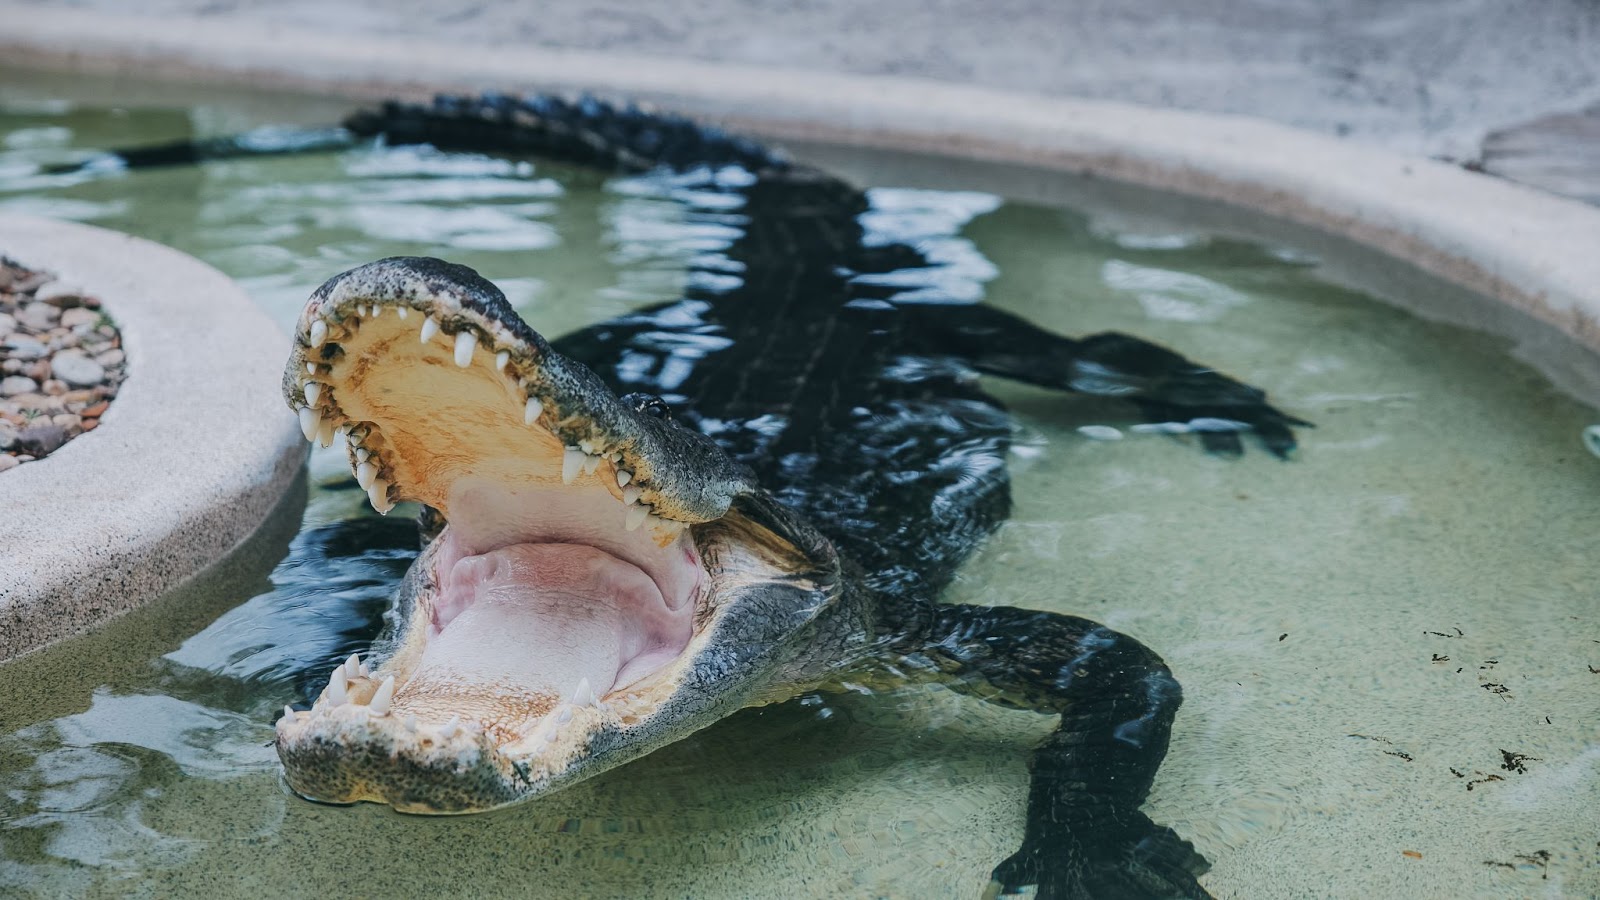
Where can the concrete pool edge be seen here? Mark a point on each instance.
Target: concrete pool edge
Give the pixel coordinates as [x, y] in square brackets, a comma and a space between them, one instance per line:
[1518, 245]
[189, 459]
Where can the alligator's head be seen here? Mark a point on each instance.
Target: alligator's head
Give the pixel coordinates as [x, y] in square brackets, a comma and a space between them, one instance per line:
[606, 581]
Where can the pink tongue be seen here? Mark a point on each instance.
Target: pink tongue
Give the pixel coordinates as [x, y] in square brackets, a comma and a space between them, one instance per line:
[541, 617]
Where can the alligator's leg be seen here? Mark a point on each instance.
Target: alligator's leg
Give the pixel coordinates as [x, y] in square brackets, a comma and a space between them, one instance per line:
[1085, 835]
[1164, 386]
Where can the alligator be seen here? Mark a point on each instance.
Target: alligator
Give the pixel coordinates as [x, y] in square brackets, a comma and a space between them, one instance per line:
[753, 493]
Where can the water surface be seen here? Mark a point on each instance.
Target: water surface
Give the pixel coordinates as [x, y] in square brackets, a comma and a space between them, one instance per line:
[1363, 634]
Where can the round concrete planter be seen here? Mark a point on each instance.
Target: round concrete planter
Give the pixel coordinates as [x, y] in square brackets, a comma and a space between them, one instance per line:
[187, 462]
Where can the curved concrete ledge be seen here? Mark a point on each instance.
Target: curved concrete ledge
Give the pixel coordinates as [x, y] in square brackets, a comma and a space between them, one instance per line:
[188, 461]
[1531, 250]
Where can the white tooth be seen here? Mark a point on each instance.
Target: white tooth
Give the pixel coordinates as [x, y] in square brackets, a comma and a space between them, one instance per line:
[402, 311]
[313, 391]
[309, 422]
[325, 433]
[586, 445]
[583, 694]
[501, 359]
[623, 477]
[590, 463]
[636, 514]
[375, 310]
[337, 695]
[352, 665]
[448, 730]
[361, 454]
[531, 412]
[378, 494]
[365, 473]
[571, 463]
[311, 368]
[289, 715]
[429, 329]
[630, 494]
[366, 670]
[381, 699]
[319, 332]
[564, 716]
[466, 343]
[411, 721]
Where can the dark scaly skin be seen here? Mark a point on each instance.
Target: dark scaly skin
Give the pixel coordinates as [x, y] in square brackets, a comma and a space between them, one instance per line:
[857, 408]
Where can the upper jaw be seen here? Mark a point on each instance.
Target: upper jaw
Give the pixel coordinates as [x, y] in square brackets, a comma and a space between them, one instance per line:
[526, 403]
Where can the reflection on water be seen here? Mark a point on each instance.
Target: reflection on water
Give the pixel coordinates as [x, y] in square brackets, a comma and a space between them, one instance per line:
[1361, 633]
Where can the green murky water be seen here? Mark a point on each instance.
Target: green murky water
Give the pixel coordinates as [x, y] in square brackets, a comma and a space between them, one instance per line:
[1362, 634]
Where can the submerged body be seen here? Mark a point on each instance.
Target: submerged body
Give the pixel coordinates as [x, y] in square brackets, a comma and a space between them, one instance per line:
[757, 491]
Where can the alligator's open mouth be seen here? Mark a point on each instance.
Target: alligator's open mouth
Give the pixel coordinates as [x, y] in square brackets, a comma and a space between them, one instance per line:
[585, 563]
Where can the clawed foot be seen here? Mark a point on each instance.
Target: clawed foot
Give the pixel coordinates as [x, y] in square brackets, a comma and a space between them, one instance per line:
[1152, 863]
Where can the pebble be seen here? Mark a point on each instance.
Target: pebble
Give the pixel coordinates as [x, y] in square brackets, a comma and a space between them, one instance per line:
[77, 316]
[61, 363]
[76, 369]
[12, 385]
[41, 438]
[23, 347]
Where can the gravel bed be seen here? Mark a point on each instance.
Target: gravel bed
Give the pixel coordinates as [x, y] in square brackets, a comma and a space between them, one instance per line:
[61, 363]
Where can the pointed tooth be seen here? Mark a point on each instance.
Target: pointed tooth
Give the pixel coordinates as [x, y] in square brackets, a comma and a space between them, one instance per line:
[337, 688]
[289, 714]
[411, 721]
[565, 715]
[583, 694]
[430, 327]
[636, 515]
[313, 390]
[550, 736]
[466, 344]
[352, 665]
[309, 422]
[531, 412]
[383, 696]
[361, 454]
[375, 310]
[502, 359]
[448, 730]
[623, 477]
[402, 311]
[366, 670]
[325, 431]
[365, 474]
[590, 463]
[630, 494]
[571, 464]
[319, 332]
[378, 495]
[311, 368]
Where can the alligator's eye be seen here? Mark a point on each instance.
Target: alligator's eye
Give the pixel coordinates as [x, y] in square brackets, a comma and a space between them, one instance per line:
[650, 405]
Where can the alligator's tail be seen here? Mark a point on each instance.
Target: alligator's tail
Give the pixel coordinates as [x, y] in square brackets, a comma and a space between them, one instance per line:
[585, 130]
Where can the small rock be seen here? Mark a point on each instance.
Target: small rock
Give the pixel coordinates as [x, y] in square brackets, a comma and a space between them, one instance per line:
[12, 385]
[39, 403]
[21, 346]
[8, 324]
[76, 369]
[90, 424]
[10, 366]
[59, 294]
[71, 423]
[97, 410]
[41, 438]
[8, 462]
[38, 370]
[55, 387]
[83, 397]
[112, 357]
[8, 435]
[74, 318]
[39, 316]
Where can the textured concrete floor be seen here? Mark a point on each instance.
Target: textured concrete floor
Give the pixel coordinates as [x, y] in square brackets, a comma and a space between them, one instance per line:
[1432, 77]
